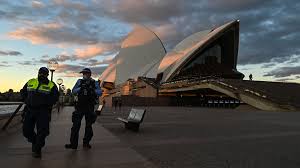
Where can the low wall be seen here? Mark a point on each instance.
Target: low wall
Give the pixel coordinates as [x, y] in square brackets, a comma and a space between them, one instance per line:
[142, 101]
[163, 101]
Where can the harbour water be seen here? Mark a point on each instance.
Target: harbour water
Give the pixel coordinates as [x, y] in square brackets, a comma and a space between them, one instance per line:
[6, 109]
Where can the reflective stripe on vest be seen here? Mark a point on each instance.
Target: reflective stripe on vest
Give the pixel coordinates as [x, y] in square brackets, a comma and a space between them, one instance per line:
[33, 84]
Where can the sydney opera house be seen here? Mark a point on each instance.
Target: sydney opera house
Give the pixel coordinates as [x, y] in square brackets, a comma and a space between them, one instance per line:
[199, 71]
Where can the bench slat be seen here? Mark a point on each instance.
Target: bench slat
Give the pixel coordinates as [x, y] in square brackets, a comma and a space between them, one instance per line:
[134, 119]
[122, 119]
[131, 114]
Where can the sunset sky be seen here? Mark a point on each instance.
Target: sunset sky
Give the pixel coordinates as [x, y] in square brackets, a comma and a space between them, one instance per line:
[88, 33]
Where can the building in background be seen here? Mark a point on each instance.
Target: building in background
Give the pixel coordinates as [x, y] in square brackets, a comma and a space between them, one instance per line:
[199, 71]
[204, 54]
[140, 55]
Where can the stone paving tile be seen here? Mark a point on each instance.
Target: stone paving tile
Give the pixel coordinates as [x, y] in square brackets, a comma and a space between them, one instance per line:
[199, 137]
[107, 150]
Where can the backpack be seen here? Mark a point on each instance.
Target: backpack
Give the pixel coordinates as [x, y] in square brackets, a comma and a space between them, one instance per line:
[87, 95]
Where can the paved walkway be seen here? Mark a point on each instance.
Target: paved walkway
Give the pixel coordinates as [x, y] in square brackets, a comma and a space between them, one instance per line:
[107, 150]
[192, 137]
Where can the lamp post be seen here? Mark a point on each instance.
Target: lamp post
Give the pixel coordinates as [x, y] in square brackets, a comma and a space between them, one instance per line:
[59, 82]
[52, 66]
[63, 88]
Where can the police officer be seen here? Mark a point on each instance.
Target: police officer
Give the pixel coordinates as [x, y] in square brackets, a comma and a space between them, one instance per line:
[87, 90]
[250, 77]
[39, 96]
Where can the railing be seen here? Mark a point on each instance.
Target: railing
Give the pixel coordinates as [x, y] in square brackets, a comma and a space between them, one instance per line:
[10, 103]
[57, 106]
[13, 115]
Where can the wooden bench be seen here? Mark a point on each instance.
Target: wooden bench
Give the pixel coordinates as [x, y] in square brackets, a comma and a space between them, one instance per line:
[134, 119]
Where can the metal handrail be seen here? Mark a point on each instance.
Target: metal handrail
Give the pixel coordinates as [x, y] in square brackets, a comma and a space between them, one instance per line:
[17, 110]
[10, 103]
[12, 116]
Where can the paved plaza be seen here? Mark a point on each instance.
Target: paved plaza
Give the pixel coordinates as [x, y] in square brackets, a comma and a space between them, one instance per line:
[107, 150]
[177, 137]
[202, 137]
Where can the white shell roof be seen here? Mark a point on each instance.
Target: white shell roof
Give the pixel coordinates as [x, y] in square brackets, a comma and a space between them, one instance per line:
[180, 51]
[143, 54]
[185, 49]
[109, 75]
[140, 55]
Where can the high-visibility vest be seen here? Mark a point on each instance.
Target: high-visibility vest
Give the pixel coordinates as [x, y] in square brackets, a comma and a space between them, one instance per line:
[33, 86]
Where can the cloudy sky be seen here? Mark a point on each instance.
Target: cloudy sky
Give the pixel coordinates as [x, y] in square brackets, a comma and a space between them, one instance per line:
[88, 33]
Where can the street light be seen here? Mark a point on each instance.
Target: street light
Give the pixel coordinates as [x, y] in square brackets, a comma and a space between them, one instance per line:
[63, 88]
[52, 66]
[59, 82]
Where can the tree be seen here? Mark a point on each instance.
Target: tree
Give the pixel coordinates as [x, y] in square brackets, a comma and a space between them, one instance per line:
[9, 94]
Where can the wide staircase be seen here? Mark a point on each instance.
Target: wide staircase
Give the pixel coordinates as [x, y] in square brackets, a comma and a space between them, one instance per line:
[264, 95]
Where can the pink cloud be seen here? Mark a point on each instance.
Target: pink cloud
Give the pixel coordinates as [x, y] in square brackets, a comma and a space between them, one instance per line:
[69, 70]
[37, 4]
[53, 33]
[165, 30]
[59, 2]
[92, 50]
[89, 51]
[36, 35]
[232, 4]
[72, 75]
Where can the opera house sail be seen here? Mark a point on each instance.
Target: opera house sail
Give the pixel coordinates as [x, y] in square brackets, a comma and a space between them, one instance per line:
[209, 53]
[204, 54]
[140, 55]
[200, 70]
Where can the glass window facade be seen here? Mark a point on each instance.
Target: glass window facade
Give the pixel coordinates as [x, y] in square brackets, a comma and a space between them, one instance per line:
[213, 55]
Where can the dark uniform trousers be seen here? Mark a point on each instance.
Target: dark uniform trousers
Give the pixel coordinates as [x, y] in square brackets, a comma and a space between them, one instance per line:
[90, 117]
[39, 117]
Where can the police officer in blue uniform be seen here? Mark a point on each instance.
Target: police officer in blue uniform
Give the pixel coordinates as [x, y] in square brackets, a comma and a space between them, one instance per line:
[39, 95]
[87, 90]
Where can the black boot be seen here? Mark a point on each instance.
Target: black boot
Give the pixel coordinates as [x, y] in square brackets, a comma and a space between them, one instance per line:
[33, 147]
[37, 153]
[70, 146]
[87, 146]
